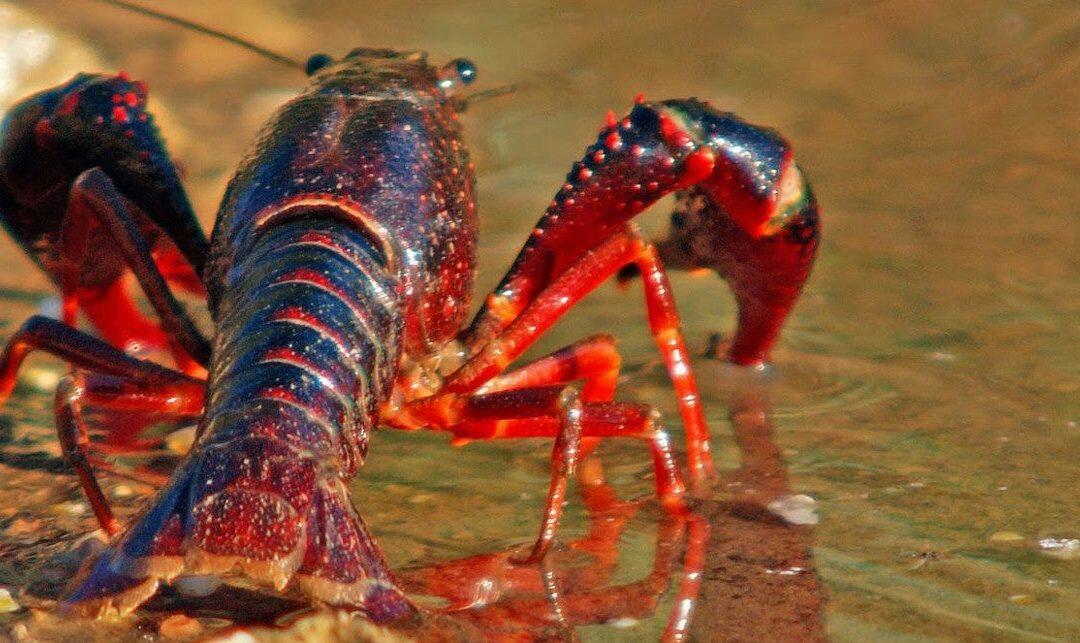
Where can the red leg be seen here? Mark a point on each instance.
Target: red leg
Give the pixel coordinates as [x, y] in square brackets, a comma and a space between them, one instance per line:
[82, 351]
[532, 413]
[39, 333]
[75, 441]
[564, 459]
[665, 325]
[553, 302]
[547, 412]
[95, 201]
[185, 401]
[130, 407]
[75, 392]
[593, 360]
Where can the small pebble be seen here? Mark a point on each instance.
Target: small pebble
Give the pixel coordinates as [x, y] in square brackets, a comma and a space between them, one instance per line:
[1021, 599]
[50, 307]
[624, 623]
[180, 441]
[941, 356]
[73, 508]
[22, 526]
[1060, 548]
[1006, 537]
[179, 626]
[7, 603]
[789, 571]
[41, 379]
[122, 491]
[197, 585]
[798, 509]
[237, 637]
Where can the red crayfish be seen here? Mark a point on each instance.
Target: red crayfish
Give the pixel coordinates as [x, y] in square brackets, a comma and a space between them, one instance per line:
[338, 277]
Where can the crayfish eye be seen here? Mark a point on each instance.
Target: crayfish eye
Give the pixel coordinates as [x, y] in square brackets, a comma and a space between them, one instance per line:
[317, 62]
[456, 74]
[466, 70]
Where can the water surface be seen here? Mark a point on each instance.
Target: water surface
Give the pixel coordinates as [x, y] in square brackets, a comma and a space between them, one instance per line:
[926, 390]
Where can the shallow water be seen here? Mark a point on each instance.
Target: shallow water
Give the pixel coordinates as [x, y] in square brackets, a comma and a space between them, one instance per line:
[925, 391]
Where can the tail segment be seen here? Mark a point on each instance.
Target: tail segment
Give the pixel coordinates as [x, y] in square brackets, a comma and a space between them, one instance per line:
[253, 506]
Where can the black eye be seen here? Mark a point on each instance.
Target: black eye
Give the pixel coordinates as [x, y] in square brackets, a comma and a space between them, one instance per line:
[466, 70]
[317, 62]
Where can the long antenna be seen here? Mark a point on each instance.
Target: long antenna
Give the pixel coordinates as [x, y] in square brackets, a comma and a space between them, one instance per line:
[203, 29]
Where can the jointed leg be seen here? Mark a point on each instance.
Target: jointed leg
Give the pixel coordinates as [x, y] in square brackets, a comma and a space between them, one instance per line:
[75, 442]
[570, 287]
[95, 200]
[547, 412]
[75, 392]
[593, 360]
[131, 407]
[82, 351]
[564, 459]
[665, 326]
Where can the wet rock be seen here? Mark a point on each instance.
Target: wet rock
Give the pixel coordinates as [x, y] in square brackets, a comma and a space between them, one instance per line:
[7, 603]
[74, 508]
[40, 378]
[19, 632]
[1060, 548]
[197, 585]
[21, 526]
[50, 307]
[180, 441]
[320, 626]
[797, 509]
[179, 626]
[624, 623]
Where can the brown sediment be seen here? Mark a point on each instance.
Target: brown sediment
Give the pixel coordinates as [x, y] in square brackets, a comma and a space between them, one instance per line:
[759, 581]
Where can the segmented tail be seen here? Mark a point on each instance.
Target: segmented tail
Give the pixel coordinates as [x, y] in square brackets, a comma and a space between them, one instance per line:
[225, 512]
[305, 349]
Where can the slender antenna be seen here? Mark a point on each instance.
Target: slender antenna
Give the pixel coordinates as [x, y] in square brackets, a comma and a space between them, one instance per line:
[462, 103]
[203, 29]
[486, 94]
